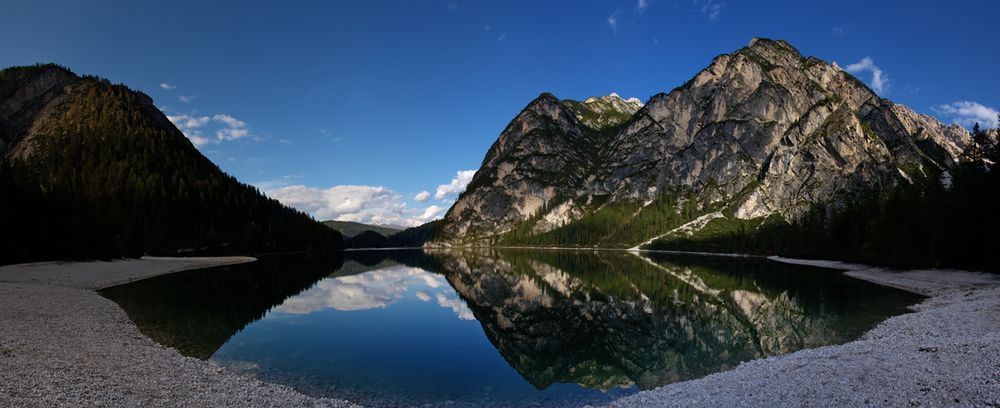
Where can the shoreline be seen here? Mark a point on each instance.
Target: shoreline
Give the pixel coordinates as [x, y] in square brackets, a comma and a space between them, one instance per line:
[62, 343]
[945, 353]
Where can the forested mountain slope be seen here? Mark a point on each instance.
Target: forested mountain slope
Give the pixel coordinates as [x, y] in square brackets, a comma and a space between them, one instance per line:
[89, 169]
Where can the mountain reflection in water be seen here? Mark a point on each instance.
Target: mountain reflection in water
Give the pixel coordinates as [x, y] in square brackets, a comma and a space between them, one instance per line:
[559, 325]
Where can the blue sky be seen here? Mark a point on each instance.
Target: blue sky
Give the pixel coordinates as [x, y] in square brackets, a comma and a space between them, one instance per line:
[351, 109]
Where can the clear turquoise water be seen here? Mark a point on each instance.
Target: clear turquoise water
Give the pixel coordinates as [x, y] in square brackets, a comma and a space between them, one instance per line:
[503, 328]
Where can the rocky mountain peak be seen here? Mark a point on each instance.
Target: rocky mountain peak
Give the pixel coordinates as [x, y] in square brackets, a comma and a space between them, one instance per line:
[761, 131]
[777, 49]
[604, 112]
[614, 98]
[546, 105]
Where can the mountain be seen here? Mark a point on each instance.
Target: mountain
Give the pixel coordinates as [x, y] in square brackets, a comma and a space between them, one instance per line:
[89, 169]
[761, 136]
[599, 112]
[349, 229]
[413, 237]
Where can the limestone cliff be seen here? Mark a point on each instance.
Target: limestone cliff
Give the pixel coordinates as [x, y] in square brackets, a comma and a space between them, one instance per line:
[763, 131]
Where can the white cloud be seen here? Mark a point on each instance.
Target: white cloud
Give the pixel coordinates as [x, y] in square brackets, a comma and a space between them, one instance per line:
[189, 122]
[198, 140]
[227, 128]
[423, 296]
[422, 196]
[167, 86]
[348, 203]
[230, 121]
[641, 6]
[613, 22]
[968, 113]
[185, 98]
[366, 204]
[501, 36]
[711, 8]
[234, 128]
[231, 134]
[191, 126]
[456, 186]
[430, 213]
[880, 81]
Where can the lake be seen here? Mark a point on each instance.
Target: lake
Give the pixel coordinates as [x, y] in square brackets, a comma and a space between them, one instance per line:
[499, 327]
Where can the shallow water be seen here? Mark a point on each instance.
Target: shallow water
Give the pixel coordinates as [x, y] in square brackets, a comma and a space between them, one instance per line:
[505, 328]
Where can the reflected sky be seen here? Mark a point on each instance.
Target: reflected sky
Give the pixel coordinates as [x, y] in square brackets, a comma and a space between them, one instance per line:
[499, 327]
[377, 289]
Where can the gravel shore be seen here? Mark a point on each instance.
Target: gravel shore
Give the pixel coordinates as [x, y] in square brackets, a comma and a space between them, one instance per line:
[946, 353]
[62, 344]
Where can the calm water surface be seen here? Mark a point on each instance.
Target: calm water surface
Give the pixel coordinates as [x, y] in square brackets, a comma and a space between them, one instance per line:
[505, 328]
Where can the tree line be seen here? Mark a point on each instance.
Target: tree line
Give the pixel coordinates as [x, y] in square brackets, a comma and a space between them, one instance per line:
[109, 176]
[945, 218]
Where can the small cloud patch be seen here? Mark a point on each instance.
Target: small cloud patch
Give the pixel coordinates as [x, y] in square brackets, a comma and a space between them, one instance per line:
[227, 128]
[613, 20]
[456, 186]
[879, 81]
[968, 113]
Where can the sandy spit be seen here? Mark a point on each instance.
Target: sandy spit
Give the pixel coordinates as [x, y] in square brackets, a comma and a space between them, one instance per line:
[62, 344]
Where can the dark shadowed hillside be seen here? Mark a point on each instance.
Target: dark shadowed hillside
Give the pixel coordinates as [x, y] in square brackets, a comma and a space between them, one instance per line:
[94, 170]
[350, 229]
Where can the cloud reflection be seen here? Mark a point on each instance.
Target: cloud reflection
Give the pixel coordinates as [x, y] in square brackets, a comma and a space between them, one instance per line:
[376, 289]
[456, 305]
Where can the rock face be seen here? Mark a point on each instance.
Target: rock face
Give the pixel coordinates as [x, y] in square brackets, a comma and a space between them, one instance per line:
[544, 154]
[19, 110]
[601, 112]
[760, 131]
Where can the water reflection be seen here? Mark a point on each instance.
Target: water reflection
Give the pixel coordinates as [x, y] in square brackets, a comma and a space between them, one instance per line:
[613, 320]
[197, 311]
[375, 289]
[509, 327]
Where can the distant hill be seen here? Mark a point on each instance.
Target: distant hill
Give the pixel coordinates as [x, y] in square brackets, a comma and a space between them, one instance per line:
[89, 169]
[409, 238]
[350, 229]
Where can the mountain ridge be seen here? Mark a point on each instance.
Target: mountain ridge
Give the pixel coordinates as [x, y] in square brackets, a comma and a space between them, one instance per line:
[350, 229]
[761, 132]
[89, 169]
